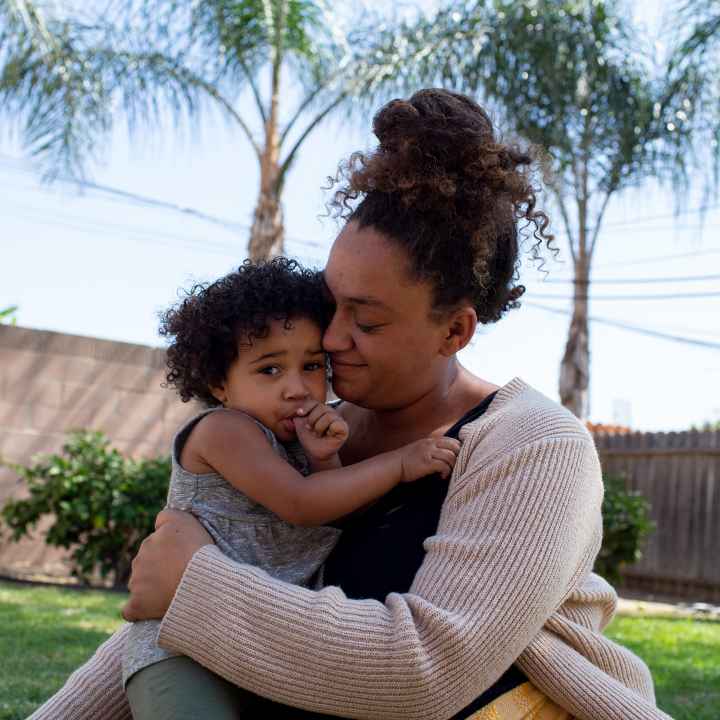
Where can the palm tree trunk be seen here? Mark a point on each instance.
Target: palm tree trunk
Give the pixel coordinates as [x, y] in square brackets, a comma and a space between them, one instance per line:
[268, 231]
[575, 365]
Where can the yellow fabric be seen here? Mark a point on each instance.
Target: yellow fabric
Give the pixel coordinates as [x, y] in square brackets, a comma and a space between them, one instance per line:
[525, 702]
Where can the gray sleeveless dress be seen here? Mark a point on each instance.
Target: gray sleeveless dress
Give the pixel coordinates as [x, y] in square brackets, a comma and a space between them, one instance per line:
[242, 529]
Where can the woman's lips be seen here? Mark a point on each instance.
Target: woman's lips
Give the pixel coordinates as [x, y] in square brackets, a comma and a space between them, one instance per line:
[343, 367]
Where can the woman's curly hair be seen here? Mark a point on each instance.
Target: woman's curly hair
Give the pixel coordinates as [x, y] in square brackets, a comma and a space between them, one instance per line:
[442, 186]
[208, 326]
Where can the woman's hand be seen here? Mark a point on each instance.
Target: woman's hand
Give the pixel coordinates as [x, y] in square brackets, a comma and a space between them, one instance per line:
[159, 565]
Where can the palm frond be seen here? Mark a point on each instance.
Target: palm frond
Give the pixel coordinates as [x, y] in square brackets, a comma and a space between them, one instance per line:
[68, 95]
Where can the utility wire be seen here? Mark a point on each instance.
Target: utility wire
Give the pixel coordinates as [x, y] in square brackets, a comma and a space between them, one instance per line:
[666, 216]
[660, 258]
[151, 202]
[140, 235]
[668, 296]
[626, 326]
[632, 281]
[18, 165]
[650, 218]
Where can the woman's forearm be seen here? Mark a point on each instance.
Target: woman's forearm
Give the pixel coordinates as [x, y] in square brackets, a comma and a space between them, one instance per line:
[94, 691]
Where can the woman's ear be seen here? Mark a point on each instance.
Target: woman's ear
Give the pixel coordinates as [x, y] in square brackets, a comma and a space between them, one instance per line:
[460, 328]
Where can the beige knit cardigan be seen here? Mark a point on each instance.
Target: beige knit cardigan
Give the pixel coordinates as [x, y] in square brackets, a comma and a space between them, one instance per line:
[506, 578]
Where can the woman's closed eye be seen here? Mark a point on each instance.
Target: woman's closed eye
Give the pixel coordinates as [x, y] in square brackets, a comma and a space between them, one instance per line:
[369, 328]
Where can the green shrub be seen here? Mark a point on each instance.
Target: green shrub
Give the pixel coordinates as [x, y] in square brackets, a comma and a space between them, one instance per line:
[626, 525]
[9, 315]
[103, 504]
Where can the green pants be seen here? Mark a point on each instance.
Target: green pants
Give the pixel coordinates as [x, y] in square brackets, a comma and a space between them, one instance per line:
[181, 689]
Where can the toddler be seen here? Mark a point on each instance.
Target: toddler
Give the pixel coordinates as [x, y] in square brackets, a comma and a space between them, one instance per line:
[260, 467]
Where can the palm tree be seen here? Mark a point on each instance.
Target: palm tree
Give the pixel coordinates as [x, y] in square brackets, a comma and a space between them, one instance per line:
[693, 64]
[574, 79]
[68, 79]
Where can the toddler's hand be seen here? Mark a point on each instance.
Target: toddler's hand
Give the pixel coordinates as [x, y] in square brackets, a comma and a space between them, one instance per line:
[428, 456]
[320, 430]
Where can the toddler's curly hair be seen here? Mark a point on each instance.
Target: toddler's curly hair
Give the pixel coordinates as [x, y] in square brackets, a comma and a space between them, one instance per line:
[210, 324]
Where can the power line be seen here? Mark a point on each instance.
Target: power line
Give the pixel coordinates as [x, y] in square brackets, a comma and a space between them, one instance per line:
[650, 218]
[668, 296]
[631, 328]
[19, 165]
[632, 281]
[150, 202]
[660, 258]
[145, 236]
[665, 216]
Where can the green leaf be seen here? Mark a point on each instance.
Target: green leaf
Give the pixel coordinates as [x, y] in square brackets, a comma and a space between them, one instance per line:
[102, 504]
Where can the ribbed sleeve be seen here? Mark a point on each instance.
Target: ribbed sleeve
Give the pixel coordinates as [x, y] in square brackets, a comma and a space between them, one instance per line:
[563, 674]
[94, 690]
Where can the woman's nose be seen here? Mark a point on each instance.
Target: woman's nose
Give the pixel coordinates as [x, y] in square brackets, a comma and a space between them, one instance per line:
[337, 336]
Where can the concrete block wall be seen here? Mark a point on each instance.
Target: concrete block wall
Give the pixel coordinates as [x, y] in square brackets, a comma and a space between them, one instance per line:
[51, 383]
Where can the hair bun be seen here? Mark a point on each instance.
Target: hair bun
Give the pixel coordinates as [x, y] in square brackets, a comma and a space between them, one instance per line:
[394, 121]
[435, 150]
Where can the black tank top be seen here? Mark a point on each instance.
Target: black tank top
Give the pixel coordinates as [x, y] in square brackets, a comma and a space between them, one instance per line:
[381, 550]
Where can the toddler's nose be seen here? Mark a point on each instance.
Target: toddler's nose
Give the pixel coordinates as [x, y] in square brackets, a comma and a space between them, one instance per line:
[296, 389]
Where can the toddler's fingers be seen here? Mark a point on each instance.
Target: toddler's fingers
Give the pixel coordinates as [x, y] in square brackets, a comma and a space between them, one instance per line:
[338, 428]
[440, 467]
[307, 407]
[446, 456]
[317, 412]
[323, 423]
[302, 429]
[320, 421]
[449, 444]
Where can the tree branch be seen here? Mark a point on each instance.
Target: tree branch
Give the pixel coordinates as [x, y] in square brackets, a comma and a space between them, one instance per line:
[182, 72]
[566, 218]
[598, 221]
[212, 91]
[303, 106]
[316, 121]
[255, 92]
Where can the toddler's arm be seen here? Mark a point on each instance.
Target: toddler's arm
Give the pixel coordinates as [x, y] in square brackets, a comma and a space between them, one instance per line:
[323, 496]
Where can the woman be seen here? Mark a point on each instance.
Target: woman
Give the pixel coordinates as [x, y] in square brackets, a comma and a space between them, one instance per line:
[472, 598]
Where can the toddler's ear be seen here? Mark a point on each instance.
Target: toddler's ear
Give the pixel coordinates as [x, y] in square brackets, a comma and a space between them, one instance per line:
[219, 394]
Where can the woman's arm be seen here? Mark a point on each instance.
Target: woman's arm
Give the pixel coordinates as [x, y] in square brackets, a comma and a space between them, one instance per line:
[324, 496]
[94, 691]
[515, 538]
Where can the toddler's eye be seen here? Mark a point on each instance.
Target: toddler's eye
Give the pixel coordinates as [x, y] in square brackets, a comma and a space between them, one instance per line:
[311, 367]
[269, 370]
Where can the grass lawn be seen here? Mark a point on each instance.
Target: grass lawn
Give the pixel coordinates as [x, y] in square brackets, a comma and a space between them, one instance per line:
[684, 656]
[47, 632]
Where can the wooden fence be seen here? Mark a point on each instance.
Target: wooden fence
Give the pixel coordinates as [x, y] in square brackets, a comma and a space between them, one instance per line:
[679, 474]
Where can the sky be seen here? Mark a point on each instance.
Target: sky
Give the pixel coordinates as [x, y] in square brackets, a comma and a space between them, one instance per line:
[90, 263]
